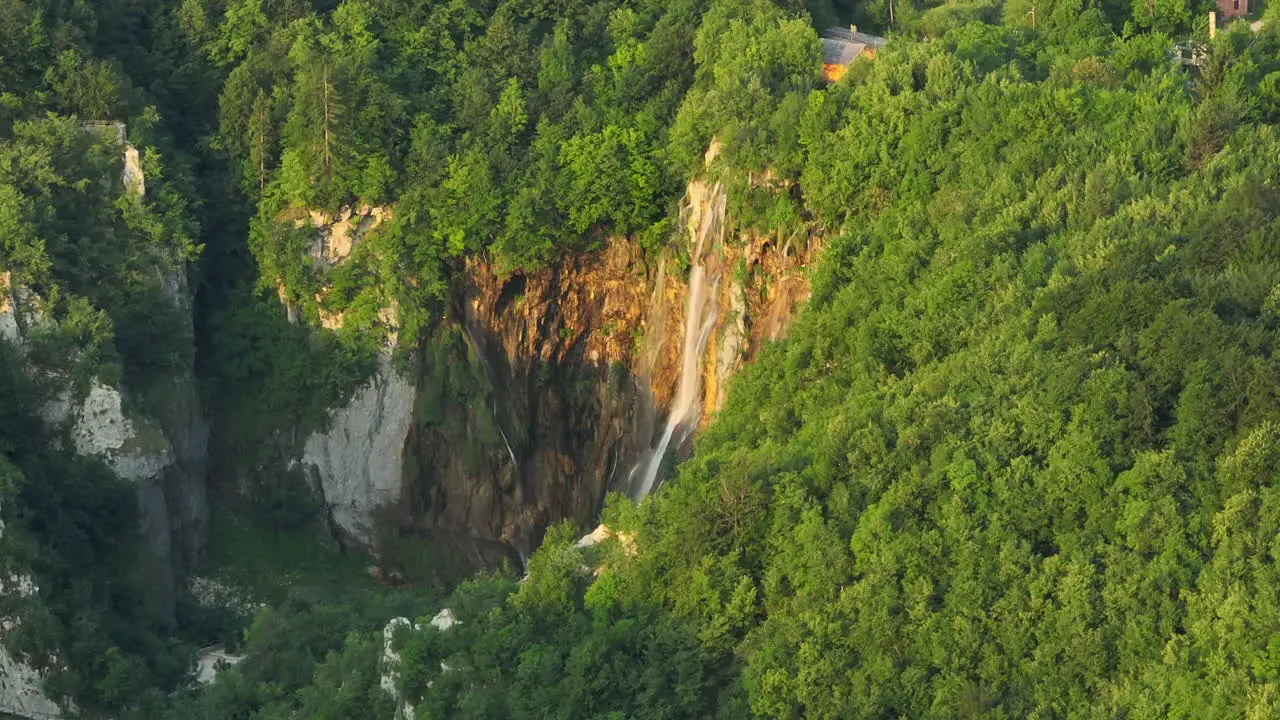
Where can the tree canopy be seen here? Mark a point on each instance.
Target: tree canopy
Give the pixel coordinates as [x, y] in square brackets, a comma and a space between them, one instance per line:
[1017, 456]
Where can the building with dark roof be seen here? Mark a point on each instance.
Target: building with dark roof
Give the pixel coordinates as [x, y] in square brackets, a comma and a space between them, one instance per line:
[841, 46]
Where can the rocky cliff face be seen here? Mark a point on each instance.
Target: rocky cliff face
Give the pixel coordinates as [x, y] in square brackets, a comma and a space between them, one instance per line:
[527, 401]
[579, 365]
[355, 462]
[152, 435]
[21, 693]
[540, 392]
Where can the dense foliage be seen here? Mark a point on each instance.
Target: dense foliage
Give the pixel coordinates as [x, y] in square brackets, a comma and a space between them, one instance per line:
[312, 648]
[1015, 459]
[90, 267]
[512, 129]
[70, 529]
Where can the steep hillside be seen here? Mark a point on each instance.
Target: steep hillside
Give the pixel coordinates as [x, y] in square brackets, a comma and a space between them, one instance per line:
[496, 328]
[541, 390]
[1017, 457]
[104, 437]
[942, 389]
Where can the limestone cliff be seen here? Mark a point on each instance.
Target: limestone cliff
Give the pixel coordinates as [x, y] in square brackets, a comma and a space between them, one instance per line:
[539, 392]
[355, 461]
[579, 363]
[549, 418]
[352, 462]
[151, 432]
[21, 691]
[153, 436]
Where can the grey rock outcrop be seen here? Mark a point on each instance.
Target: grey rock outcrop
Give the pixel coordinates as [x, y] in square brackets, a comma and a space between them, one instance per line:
[356, 462]
[21, 685]
[21, 690]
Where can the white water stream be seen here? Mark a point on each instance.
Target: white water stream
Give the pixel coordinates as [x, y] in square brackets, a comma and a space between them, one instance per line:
[705, 228]
[484, 364]
[505, 441]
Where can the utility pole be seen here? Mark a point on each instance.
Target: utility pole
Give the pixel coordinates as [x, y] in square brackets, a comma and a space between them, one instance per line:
[328, 159]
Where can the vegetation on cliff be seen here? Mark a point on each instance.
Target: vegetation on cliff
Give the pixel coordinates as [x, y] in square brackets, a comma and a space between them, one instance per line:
[511, 129]
[1016, 458]
[82, 300]
[70, 529]
[92, 290]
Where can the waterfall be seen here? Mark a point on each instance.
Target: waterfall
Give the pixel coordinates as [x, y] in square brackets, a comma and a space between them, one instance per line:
[704, 209]
[506, 442]
[484, 365]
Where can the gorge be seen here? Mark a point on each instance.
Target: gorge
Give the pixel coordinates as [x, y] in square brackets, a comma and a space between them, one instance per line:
[931, 375]
[538, 394]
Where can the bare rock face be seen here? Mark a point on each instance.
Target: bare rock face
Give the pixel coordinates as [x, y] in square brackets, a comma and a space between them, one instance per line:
[21, 692]
[134, 181]
[576, 366]
[134, 448]
[163, 457]
[356, 461]
[337, 235]
[538, 392]
[526, 402]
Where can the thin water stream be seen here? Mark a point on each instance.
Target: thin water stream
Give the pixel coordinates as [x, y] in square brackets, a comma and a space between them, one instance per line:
[706, 229]
[484, 364]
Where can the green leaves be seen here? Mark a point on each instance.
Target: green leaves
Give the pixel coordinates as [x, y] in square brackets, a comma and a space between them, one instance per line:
[239, 30]
[613, 178]
[1015, 458]
[529, 138]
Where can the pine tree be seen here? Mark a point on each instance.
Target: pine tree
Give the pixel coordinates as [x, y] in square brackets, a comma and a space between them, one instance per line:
[315, 129]
[261, 139]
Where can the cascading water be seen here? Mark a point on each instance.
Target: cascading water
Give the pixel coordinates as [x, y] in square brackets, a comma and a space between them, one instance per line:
[505, 441]
[484, 364]
[704, 209]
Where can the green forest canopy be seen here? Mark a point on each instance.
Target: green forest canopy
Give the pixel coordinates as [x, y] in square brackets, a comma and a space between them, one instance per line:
[1016, 458]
